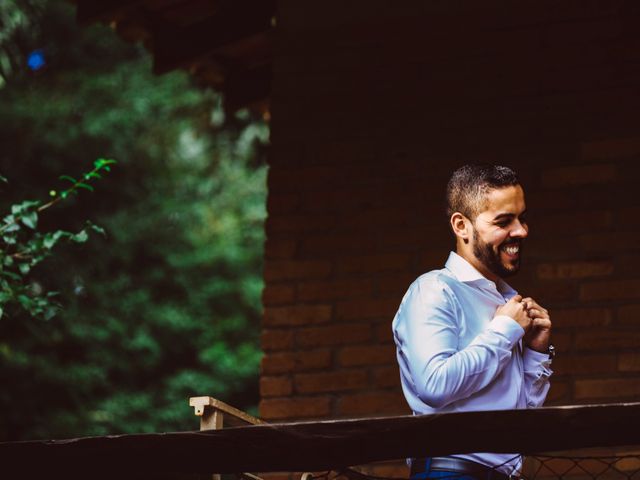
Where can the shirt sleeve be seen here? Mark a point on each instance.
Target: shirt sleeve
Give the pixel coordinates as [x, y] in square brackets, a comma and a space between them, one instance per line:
[537, 370]
[429, 327]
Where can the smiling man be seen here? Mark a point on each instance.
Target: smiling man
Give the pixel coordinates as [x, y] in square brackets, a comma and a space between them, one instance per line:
[465, 339]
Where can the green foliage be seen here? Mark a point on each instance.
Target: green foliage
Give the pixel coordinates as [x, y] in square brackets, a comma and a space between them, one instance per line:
[167, 305]
[23, 247]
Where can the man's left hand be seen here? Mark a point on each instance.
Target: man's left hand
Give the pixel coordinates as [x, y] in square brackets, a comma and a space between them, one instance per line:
[537, 338]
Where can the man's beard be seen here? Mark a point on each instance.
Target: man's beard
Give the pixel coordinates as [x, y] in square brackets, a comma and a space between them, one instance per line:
[490, 257]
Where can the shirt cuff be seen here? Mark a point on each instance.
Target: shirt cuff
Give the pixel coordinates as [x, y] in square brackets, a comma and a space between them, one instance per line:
[535, 361]
[508, 327]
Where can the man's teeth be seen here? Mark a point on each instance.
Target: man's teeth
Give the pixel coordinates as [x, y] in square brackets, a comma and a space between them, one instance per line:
[511, 249]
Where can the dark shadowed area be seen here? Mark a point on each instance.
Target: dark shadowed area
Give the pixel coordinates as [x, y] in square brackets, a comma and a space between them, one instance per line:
[166, 304]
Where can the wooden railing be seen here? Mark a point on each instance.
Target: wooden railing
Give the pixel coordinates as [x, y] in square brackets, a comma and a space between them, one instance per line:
[319, 445]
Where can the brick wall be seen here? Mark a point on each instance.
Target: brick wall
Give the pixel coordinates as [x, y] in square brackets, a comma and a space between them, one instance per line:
[374, 104]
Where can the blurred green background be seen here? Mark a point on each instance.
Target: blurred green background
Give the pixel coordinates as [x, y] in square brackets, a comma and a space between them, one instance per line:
[167, 305]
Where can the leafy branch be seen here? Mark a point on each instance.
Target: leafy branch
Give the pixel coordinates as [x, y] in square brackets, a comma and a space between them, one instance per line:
[23, 246]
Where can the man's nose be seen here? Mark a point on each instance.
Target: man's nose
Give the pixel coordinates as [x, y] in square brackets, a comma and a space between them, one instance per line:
[520, 230]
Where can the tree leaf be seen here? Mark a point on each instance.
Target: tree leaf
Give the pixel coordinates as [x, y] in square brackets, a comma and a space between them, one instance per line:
[80, 237]
[85, 186]
[67, 177]
[30, 220]
[50, 239]
[96, 228]
[11, 275]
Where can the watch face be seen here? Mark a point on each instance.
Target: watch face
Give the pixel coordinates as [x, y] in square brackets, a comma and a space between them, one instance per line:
[552, 351]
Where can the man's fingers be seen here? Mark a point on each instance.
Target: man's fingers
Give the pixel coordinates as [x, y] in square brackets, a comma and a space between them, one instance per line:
[537, 313]
[542, 323]
[530, 303]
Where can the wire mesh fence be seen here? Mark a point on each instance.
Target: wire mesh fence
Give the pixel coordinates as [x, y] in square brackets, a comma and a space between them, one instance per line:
[546, 466]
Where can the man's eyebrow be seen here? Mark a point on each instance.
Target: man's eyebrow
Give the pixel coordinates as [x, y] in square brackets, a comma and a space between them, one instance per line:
[500, 216]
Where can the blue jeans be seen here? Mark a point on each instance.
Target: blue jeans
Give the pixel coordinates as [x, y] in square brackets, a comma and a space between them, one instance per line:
[421, 470]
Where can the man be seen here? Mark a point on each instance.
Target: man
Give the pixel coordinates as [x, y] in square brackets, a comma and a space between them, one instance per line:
[465, 339]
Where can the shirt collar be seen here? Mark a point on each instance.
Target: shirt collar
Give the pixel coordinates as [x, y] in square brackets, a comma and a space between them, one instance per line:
[466, 273]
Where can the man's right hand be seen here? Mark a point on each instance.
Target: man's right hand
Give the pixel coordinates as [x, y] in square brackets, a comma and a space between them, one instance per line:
[515, 309]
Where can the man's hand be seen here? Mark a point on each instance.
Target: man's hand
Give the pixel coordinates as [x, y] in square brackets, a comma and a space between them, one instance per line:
[516, 309]
[538, 336]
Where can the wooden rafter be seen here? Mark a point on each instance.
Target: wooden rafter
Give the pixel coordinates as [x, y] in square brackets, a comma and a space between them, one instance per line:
[234, 21]
[244, 87]
[94, 10]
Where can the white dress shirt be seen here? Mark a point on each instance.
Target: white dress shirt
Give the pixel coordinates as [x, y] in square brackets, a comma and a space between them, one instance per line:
[456, 355]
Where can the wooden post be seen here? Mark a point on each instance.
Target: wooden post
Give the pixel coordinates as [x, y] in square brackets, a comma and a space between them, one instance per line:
[212, 411]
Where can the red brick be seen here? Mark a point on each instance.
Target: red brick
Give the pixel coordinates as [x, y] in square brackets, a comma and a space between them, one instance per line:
[610, 290]
[579, 175]
[333, 335]
[579, 221]
[373, 404]
[609, 242]
[386, 377]
[342, 151]
[629, 315]
[372, 218]
[338, 243]
[297, 315]
[629, 362]
[277, 294]
[280, 247]
[550, 291]
[277, 363]
[607, 339]
[431, 260]
[294, 408]
[275, 270]
[373, 263]
[336, 289]
[584, 364]
[272, 340]
[339, 381]
[367, 355]
[409, 238]
[615, 388]
[580, 317]
[558, 393]
[367, 309]
[565, 270]
[281, 203]
[562, 340]
[299, 223]
[394, 285]
[275, 386]
[609, 149]
[383, 332]
[628, 265]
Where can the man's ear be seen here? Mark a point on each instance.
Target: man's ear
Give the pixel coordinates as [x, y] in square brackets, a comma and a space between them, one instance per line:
[461, 226]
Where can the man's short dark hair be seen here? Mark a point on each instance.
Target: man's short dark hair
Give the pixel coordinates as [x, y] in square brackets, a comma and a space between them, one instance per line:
[469, 185]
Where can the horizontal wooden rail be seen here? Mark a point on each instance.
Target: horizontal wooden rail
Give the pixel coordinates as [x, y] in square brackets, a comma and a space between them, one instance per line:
[324, 445]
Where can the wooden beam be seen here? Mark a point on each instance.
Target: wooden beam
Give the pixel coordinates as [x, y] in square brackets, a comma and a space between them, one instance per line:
[93, 10]
[247, 86]
[317, 446]
[202, 404]
[178, 47]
